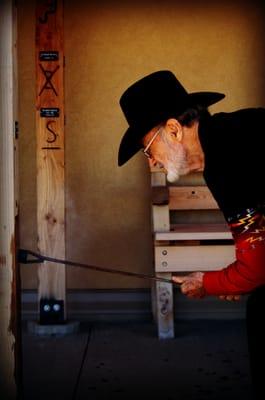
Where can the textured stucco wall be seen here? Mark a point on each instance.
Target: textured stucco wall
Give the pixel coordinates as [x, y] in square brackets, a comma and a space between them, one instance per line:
[108, 45]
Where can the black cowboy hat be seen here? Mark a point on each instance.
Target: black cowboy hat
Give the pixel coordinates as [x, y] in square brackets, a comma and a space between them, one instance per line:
[152, 100]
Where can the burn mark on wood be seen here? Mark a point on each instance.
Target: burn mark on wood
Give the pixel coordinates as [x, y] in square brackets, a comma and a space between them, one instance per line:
[48, 85]
[51, 9]
[51, 148]
[54, 134]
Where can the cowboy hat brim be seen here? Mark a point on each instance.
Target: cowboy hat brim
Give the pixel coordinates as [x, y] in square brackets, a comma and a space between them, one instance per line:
[131, 142]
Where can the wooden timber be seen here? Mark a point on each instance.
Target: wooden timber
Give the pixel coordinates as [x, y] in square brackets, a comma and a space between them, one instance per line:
[10, 344]
[50, 145]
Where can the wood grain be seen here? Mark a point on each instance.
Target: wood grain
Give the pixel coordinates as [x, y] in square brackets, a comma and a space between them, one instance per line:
[10, 362]
[50, 147]
[191, 198]
[193, 258]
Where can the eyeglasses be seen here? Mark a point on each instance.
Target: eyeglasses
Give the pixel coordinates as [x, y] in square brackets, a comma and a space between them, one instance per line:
[145, 150]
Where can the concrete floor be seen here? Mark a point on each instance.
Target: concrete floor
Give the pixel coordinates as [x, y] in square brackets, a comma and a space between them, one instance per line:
[207, 360]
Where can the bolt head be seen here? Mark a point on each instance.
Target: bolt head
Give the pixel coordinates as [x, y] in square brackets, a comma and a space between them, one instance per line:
[56, 307]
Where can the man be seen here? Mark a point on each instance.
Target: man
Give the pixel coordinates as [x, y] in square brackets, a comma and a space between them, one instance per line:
[176, 131]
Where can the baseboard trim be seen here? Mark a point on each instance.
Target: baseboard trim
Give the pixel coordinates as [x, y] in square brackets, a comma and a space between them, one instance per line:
[133, 305]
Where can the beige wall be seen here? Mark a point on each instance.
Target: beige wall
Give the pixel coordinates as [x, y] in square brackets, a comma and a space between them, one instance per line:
[109, 45]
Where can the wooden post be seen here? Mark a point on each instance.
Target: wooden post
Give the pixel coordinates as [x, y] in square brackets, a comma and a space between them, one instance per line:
[162, 293]
[10, 344]
[50, 149]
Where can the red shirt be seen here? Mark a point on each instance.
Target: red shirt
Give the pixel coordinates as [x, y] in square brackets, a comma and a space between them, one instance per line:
[248, 271]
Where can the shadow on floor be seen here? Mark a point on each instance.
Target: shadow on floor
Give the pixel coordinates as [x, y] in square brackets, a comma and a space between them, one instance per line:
[207, 359]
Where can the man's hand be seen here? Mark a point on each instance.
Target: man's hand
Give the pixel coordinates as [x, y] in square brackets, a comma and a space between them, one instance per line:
[191, 284]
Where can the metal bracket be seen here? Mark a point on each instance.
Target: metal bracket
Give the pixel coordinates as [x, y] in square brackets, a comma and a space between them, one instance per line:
[16, 130]
[51, 311]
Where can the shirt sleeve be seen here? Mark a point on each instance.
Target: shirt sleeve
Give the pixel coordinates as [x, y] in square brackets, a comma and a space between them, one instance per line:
[248, 270]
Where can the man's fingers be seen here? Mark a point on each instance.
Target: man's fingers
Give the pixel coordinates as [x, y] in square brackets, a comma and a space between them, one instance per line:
[230, 297]
[191, 284]
[178, 279]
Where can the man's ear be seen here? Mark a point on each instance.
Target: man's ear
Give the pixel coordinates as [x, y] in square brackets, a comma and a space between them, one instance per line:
[174, 129]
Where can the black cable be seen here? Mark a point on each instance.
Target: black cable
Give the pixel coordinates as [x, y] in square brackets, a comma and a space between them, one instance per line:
[81, 366]
[40, 258]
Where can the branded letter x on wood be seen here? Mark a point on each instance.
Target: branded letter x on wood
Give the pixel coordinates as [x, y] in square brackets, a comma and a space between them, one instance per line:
[48, 75]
